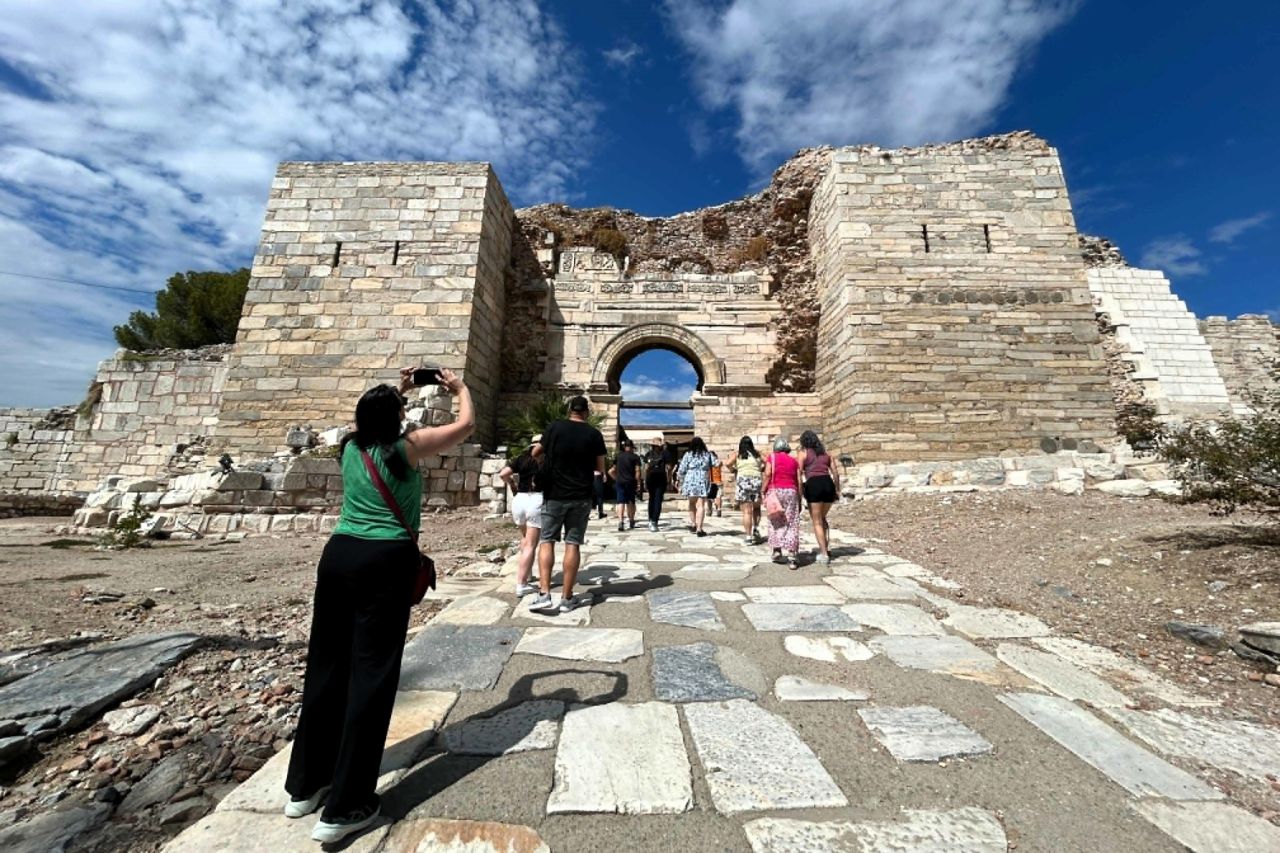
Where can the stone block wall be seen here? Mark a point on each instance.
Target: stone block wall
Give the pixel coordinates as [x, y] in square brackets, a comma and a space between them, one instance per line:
[1247, 353]
[35, 472]
[1173, 361]
[144, 411]
[364, 268]
[956, 318]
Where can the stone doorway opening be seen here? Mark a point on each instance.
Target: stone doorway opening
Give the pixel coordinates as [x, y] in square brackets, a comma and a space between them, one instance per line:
[656, 384]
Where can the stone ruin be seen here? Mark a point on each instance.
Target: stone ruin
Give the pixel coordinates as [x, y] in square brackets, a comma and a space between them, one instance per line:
[931, 311]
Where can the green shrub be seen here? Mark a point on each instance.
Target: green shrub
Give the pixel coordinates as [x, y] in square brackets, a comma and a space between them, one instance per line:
[126, 532]
[1233, 464]
[520, 425]
[1137, 423]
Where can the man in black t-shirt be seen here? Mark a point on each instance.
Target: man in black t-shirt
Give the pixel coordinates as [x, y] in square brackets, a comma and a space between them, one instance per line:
[626, 478]
[574, 451]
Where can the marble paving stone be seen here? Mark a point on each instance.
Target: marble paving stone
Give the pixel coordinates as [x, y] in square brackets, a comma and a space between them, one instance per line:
[415, 718]
[470, 657]
[472, 610]
[712, 573]
[793, 688]
[1061, 677]
[947, 655]
[680, 557]
[614, 598]
[579, 618]
[520, 728]
[693, 673]
[1106, 750]
[439, 835]
[964, 830]
[868, 588]
[681, 607]
[1211, 827]
[901, 619]
[981, 623]
[913, 586]
[728, 596]
[248, 832]
[604, 572]
[755, 761]
[939, 582]
[1245, 748]
[904, 570]
[812, 594]
[798, 617]
[922, 733]
[622, 759]
[608, 645]
[1129, 676]
[828, 649]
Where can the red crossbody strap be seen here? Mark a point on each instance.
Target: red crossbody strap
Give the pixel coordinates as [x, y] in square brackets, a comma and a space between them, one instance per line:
[387, 498]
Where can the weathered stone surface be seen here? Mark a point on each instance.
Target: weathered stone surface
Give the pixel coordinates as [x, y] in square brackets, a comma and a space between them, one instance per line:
[131, 721]
[682, 557]
[948, 655]
[1107, 751]
[1245, 748]
[602, 572]
[1125, 488]
[13, 746]
[868, 587]
[250, 832]
[965, 830]
[993, 622]
[828, 649]
[622, 759]
[438, 835]
[609, 645]
[793, 688]
[1135, 678]
[681, 607]
[755, 761]
[523, 727]
[415, 719]
[903, 619]
[1211, 827]
[263, 792]
[473, 610]
[798, 617]
[54, 831]
[728, 596]
[158, 786]
[712, 573]
[692, 673]
[1209, 636]
[812, 594]
[76, 688]
[467, 657]
[1061, 677]
[922, 733]
[578, 618]
[1262, 635]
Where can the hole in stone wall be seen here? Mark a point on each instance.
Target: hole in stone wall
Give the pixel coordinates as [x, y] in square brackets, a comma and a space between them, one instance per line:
[986, 235]
[395, 253]
[924, 233]
[337, 253]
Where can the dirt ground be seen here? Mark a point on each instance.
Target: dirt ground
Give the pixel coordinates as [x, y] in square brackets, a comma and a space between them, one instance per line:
[1111, 571]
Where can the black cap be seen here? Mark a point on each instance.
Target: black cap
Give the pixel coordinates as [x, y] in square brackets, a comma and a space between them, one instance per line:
[579, 404]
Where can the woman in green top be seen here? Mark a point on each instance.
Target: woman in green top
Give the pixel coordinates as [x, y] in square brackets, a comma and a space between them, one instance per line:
[363, 586]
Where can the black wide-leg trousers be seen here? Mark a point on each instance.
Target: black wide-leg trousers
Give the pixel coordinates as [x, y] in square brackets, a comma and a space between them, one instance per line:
[657, 491]
[353, 669]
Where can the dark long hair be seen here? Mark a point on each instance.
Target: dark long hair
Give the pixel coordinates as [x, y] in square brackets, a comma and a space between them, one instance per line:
[809, 441]
[747, 447]
[378, 423]
[697, 445]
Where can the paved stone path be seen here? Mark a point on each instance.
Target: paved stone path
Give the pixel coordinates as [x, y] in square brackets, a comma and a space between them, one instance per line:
[711, 700]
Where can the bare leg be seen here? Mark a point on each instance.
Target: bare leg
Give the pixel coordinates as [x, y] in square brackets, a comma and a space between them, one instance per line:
[572, 558]
[631, 512]
[747, 518]
[528, 547]
[700, 513]
[818, 512]
[693, 512]
[546, 559]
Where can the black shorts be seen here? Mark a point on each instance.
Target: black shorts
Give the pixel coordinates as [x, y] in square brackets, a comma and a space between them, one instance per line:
[820, 490]
[712, 491]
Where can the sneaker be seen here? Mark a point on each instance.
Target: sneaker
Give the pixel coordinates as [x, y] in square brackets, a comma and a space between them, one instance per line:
[633, 524]
[653, 527]
[792, 564]
[332, 831]
[621, 527]
[302, 808]
[542, 602]
[701, 533]
[523, 589]
[570, 604]
[777, 557]
[750, 540]
[824, 560]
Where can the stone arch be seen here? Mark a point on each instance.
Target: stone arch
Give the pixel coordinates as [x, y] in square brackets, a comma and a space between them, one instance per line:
[626, 345]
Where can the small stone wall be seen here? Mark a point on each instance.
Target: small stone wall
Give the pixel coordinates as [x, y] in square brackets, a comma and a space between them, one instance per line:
[35, 473]
[1247, 352]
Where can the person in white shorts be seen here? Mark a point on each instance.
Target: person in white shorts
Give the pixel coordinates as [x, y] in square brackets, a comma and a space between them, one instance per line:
[523, 475]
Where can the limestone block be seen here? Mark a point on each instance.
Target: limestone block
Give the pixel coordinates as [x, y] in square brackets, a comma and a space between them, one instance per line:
[1125, 488]
[1097, 472]
[240, 481]
[177, 497]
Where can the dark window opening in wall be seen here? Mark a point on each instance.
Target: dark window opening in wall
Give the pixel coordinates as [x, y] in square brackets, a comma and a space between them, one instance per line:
[986, 235]
[924, 232]
[337, 253]
[395, 253]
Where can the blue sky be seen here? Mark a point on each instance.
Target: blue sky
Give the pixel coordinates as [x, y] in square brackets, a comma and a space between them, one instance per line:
[138, 137]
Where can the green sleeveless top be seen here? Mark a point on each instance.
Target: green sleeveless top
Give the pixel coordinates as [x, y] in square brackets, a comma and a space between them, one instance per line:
[364, 513]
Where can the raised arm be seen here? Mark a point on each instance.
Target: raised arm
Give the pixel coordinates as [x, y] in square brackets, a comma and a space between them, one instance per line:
[429, 440]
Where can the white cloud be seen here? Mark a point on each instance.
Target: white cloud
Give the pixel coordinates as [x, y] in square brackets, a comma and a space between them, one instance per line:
[1176, 255]
[1228, 231]
[147, 135]
[623, 55]
[894, 72]
[666, 388]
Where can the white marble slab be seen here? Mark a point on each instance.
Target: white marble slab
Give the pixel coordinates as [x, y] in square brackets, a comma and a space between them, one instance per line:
[964, 830]
[608, 645]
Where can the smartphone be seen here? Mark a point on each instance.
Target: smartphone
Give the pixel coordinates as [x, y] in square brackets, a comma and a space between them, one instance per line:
[426, 376]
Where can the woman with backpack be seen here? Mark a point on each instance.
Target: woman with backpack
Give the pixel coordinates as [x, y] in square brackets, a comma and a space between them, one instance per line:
[693, 477]
[821, 485]
[657, 474]
[364, 586]
[782, 502]
[748, 470]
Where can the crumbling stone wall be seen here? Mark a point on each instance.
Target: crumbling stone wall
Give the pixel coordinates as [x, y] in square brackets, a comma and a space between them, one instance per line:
[1247, 352]
[956, 318]
[35, 472]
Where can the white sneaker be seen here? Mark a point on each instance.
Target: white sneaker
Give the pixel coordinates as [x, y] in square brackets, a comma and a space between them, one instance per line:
[541, 602]
[823, 560]
[653, 527]
[302, 808]
[523, 589]
[330, 832]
